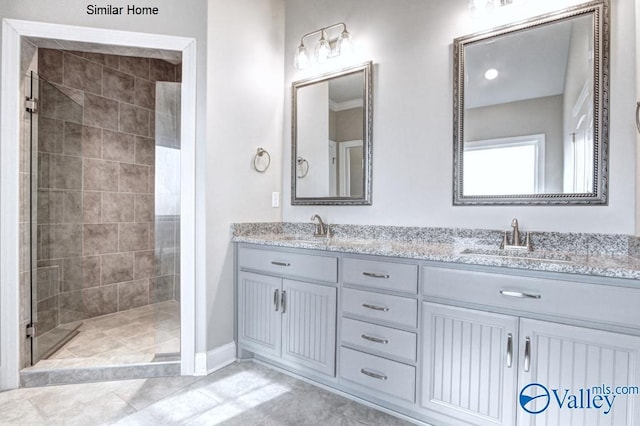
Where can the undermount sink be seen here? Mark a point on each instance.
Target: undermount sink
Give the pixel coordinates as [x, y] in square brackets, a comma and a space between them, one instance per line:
[524, 255]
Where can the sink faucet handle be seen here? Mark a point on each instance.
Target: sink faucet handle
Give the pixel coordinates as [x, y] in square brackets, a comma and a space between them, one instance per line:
[505, 240]
[515, 239]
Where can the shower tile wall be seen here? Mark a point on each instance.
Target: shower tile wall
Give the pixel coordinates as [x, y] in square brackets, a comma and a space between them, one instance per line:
[96, 186]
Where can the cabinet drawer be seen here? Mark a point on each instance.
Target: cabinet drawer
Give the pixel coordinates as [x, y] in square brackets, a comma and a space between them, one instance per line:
[382, 307]
[323, 268]
[378, 374]
[586, 301]
[388, 341]
[378, 274]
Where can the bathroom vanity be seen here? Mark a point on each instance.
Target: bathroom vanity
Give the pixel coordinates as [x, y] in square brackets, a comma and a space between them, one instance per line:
[441, 333]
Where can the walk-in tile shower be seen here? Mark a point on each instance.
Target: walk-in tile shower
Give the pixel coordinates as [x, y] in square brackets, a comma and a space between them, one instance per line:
[100, 203]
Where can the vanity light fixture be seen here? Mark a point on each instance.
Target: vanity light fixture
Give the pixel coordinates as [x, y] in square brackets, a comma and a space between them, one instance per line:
[323, 50]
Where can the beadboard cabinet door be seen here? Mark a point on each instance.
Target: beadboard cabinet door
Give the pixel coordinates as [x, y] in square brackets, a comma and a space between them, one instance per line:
[260, 319]
[469, 364]
[569, 360]
[309, 326]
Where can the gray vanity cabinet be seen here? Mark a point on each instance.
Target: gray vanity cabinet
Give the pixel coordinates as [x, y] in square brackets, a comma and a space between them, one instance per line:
[378, 329]
[290, 321]
[259, 322]
[477, 362]
[445, 343]
[469, 369]
[560, 355]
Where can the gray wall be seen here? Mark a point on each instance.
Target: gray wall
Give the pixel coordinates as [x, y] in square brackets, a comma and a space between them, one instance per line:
[244, 111]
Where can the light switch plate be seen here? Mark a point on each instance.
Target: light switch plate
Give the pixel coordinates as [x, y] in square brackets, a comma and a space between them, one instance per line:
[275, 199]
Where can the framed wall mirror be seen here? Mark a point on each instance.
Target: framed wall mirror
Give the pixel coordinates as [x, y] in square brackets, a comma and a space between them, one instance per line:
[331, 138]
[531, 106]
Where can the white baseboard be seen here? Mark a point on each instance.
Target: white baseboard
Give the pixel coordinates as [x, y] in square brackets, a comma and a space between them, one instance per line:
[215, 359]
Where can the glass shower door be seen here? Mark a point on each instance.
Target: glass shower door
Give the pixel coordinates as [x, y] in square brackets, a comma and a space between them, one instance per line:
[56, 213]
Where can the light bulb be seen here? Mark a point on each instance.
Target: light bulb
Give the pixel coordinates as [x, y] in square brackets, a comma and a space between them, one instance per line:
[345, 44]
[322, 50]
[301, 59]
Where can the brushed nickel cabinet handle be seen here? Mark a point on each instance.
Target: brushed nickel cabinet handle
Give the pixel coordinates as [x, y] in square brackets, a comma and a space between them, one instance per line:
[375, 307]
[375, 339]
[280, 263]
[276, 300]
[375, 275]
[509, 350]
[638, 116]
[527, 355]
[373, 374]
[520, 294]
[283, 301]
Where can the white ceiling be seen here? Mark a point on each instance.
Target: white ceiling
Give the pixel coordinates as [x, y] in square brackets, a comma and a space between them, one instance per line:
[531, 64]
[346, 88]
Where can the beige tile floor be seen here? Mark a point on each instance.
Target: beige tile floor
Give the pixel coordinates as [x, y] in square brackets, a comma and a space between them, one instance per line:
[133, 336]
[241, 394]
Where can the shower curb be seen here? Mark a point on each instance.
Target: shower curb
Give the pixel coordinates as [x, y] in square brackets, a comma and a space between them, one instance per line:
[65, 376]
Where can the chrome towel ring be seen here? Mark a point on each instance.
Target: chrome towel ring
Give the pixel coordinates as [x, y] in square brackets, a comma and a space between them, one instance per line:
[260, 152]
[304, 165]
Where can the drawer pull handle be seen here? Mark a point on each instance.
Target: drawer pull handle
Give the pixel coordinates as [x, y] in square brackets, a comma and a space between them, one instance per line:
[283, 301]
[509, 350]
[372, 374]
[276, 300]
[527, 355]
[280, 263]
[520, 294]
[375, 307]
[375, 339]
[375, 275]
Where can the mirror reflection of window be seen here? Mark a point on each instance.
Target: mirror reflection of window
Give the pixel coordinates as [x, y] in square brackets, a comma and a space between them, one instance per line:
[511, 166]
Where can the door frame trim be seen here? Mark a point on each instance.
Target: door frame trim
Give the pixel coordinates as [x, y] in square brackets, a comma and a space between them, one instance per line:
[12, 33]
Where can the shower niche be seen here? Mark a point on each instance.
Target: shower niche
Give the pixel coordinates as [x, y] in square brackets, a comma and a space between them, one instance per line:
[100, 209]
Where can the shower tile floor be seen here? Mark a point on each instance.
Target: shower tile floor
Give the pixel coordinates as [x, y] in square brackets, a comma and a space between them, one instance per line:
[128, 337]
[241, 394]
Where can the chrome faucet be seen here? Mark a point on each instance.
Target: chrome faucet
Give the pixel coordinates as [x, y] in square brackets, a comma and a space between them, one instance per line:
[322, 229]
[515, 243]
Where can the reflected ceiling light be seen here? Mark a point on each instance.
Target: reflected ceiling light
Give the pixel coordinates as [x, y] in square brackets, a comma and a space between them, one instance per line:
[343, 46]
[491, 74]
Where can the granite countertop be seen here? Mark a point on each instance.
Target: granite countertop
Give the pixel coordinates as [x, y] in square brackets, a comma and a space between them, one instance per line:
[471, 249]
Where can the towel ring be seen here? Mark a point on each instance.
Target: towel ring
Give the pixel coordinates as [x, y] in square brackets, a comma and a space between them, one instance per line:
[260, 152]
[301, 162]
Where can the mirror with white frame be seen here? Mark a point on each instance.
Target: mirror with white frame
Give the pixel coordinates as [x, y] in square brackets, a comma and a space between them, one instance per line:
[331, 138]
[531, 111]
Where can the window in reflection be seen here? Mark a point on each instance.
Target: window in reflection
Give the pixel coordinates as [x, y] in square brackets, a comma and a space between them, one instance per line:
[504, 166]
